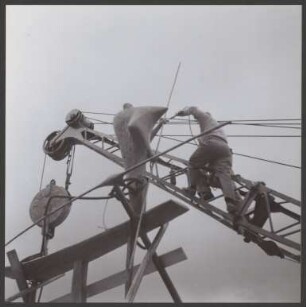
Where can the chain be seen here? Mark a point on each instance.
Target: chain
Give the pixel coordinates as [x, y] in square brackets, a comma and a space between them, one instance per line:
[70, 162]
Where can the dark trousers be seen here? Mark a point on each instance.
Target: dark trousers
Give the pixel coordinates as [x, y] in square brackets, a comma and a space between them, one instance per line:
[215, 155]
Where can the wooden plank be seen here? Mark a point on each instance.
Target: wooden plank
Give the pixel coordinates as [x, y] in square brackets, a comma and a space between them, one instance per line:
[9, 273]
[118, 279]
[79, 279]
[62, 261]
[19, 275]
[146, 260]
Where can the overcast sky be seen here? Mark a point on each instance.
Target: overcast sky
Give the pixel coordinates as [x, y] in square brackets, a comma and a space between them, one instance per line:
[237, 62]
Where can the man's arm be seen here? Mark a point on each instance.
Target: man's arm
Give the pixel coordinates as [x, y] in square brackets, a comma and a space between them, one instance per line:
[188, 111]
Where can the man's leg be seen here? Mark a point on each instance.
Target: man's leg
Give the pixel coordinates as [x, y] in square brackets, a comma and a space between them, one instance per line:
[222, 175]
[231, 197]
[198, 179]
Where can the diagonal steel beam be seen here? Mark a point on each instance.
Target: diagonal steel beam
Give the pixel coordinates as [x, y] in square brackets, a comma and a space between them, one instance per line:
[159, 266]
[140, 271]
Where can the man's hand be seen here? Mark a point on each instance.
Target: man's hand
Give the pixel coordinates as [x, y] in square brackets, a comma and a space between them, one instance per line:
[163, 121]
[183, 112]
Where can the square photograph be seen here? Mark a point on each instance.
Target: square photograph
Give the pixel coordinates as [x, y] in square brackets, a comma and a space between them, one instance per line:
[153, 153]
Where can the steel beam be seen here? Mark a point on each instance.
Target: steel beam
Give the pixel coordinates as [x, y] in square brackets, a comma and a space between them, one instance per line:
[156, 260]
[146, 260]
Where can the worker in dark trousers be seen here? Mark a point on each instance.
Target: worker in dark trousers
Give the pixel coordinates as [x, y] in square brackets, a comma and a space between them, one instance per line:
[213, 155]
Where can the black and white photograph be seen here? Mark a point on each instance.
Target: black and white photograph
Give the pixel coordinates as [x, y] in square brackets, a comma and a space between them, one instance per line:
[153, 153]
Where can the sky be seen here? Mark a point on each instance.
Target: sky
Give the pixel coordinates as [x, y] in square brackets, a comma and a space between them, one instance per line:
[237, 62]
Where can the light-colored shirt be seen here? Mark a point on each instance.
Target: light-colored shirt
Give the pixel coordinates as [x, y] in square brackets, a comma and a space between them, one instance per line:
[206, 122]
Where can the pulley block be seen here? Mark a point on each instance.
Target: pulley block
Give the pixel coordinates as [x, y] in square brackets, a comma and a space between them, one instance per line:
[47, 200]
[57, 150]
[76, 119]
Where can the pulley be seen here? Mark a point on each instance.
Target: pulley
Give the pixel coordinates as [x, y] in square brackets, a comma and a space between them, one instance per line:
[76, 119]
[47, 200]
[56, 150]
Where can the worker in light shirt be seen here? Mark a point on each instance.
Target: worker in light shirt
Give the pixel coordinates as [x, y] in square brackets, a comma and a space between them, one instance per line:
[214, 156]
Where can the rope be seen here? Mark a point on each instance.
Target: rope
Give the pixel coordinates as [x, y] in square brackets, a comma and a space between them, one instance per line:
[43, 172]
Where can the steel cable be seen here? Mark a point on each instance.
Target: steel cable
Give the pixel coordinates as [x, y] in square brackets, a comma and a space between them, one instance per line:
[121, 174]
[247, 156]
[43, 172]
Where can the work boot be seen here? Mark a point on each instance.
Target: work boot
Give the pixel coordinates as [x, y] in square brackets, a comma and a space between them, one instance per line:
[232, 206]
[190, 191]
[206, 195]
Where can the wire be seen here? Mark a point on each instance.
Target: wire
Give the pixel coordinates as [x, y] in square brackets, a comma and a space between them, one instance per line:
[40, 294]
[43, 172]
[242, 135]
[100, 121]
[234, 120]
[104, 216]
[99, 113]
[264, 136]
[50, 213]
[265, 125]
[247, 156]
[168, 103]
[190, 129]
[253, 120]
[271, 125]
[283, 123]
[266, 160]
[101, 184]
[264, 120]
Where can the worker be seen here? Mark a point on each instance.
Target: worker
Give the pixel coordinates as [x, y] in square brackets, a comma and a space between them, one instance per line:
[214, 156]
